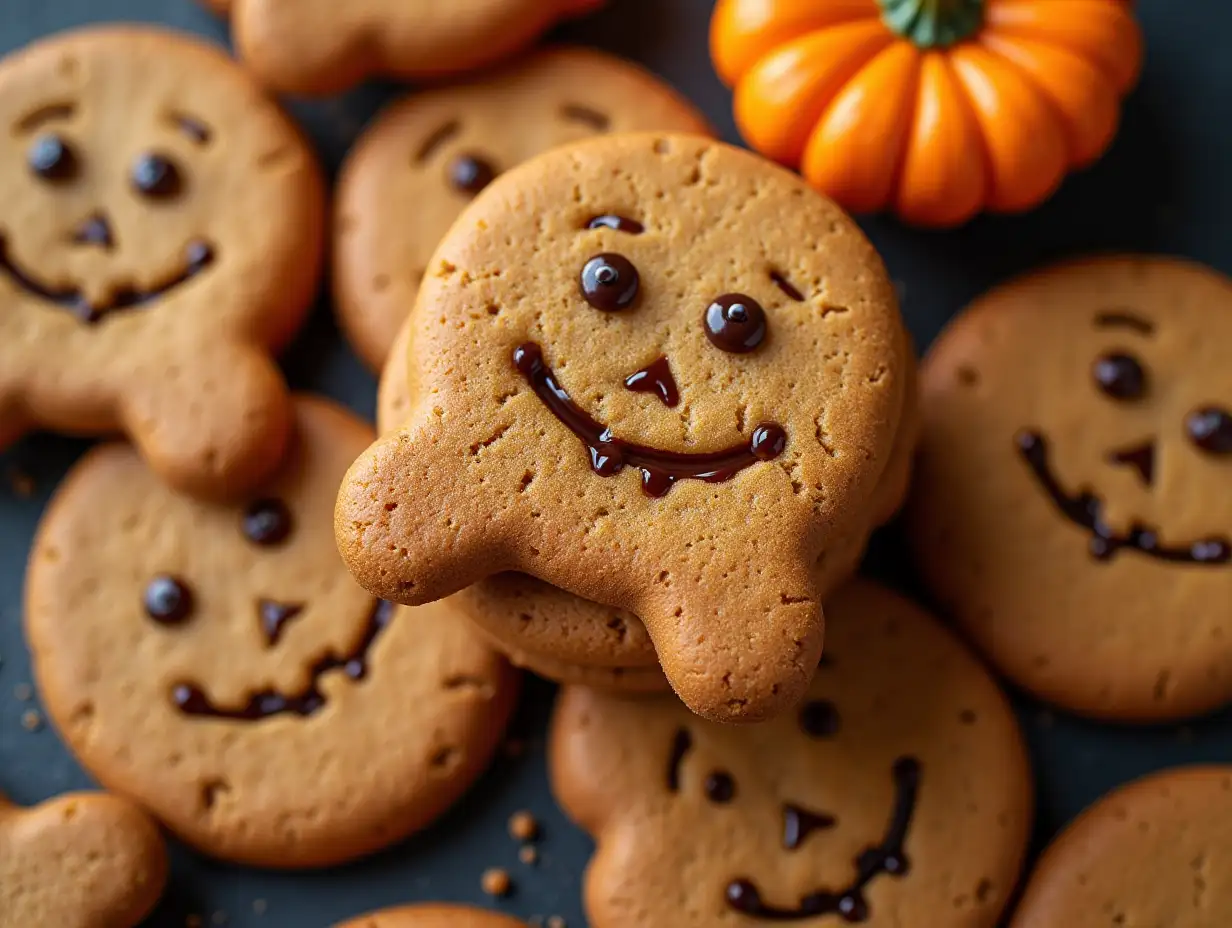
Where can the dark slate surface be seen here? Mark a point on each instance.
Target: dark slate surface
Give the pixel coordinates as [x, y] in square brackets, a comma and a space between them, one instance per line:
[1166, 186]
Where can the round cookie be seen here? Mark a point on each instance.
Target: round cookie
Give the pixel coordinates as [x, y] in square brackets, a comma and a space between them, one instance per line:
[728, 298]
[162, 236]
[1070, 507]
[219, 666]
[428, 155]
[324, 46]
[898, 795]
[1155, 852]
[82, 860]
[434, 916]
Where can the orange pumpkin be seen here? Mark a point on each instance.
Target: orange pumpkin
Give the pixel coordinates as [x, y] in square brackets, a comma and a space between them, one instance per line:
[936, 109]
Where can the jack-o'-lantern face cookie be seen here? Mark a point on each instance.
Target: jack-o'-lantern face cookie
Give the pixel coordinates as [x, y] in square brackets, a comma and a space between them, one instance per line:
[218, 665]
[324, 46]
[161, 236]
[84, 860]
[425, 159]
[643, 357]
[1071, 506]
[897, 795]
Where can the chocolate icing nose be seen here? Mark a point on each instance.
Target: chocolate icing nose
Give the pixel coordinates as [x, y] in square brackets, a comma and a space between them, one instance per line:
[656, 377]
[1140, 457]
[96, 230]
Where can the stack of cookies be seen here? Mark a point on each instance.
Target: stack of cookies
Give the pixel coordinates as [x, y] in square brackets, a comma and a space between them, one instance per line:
[644, 398]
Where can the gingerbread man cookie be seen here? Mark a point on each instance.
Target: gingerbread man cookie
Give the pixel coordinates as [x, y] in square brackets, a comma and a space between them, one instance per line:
[1156, 852]
[326, 46]
[84, 860]
[218, 664]
[897, 795]
[434, 916]
[1070, 509]
[161, 237]
[430, 154]
[644, 356]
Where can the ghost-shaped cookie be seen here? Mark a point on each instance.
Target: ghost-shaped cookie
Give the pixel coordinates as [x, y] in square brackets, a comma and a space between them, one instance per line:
[161, 237]
[659, 373]
[896, 795]
[83, 860]
[325, 46]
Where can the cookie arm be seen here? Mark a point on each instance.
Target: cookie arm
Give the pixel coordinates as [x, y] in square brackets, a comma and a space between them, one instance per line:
[218, 428]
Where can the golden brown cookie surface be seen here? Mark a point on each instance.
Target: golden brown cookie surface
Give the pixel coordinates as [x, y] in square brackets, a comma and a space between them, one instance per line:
[161, 236]
[898, 794]
[1156, 852]
[219, 665]
[1069, 508]
[324, 46]
[434, 916]
[83, 860]
[428, 156]
[633, 420]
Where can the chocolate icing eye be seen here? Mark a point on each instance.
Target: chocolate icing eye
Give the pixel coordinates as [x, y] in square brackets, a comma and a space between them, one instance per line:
[735, 323]
[267, 522]
[1210, 429]
[610, 282]
[469, 173]
[53, 159]
[157, 176]
[720, 787]
[819, 719]
[1120, 376]
[168, 600]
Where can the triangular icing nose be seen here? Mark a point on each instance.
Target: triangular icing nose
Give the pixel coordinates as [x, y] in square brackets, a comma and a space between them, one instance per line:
[656, 377]
[1140, 457]
[95, 230]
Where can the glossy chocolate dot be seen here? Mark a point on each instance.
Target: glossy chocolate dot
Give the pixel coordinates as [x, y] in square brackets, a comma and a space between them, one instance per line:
[819, 719]
[267, 522]
[720, 787]
[168, 600]
[1211, 429]
[768, 443]
[735, 323]
[157, 176]
[610, 282]
[470, 173]
[1120, 376]
[52, 158]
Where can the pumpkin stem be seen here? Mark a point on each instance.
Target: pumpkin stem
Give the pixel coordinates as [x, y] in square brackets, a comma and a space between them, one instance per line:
[933, 23]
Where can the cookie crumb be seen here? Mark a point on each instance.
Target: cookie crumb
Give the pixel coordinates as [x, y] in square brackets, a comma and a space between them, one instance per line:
[528, 855]
[23, 691]
[21, 483]
[31, 720]
[259, 906]
[523, 826]
[496, 882]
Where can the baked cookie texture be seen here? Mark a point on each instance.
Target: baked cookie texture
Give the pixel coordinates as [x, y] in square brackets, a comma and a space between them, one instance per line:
[897, 795]
[428, 155]
[779, 331]
[1070, 509]
[324, 46]
[1155, 852]
[162, 236]
[434, 916]
[218, 665]
[82, 860]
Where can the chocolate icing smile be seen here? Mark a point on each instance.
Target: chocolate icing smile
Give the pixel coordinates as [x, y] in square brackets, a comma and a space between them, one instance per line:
[660, 469]
[1083, 509]
[886, 858]
[197, 256]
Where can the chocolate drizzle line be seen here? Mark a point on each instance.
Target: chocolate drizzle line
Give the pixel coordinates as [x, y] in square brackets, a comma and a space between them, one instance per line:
[199, 256]
[886, 858]
[660, 469]
[1083, 509]
[656, 377]
[192, 700]
[681, 745]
